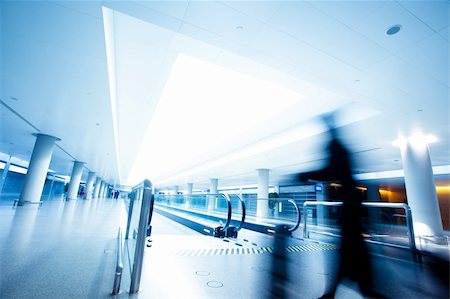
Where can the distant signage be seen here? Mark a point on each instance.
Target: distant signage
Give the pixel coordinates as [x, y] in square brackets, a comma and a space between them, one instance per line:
[318, 188]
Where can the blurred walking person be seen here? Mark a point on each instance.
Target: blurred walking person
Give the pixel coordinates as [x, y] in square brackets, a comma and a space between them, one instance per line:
[354, 258]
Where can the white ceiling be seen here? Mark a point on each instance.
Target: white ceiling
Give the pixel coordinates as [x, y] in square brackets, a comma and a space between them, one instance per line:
[93, 77]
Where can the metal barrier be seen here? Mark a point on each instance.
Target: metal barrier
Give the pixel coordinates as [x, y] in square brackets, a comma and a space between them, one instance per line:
[119, 264]
[405, 207]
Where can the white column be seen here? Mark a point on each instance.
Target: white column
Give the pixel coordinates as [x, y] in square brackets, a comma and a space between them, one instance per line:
[175, 190]
[97, 187]
[420, 188]
[262, 206]
[37, 169]
[5, 173]
[106, 191]
[102, 188]
[75, 178]
[51, 187]
[189, 187]
[89, 185]
[212, 190]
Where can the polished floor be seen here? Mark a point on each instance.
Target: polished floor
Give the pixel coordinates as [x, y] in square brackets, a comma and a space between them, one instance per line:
[67, 249]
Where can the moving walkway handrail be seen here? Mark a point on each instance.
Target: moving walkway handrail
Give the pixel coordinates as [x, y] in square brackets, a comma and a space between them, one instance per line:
[405, 207]
[119, 264]
[297, 223]
[227, 224]
[227, 198]
[243, 213]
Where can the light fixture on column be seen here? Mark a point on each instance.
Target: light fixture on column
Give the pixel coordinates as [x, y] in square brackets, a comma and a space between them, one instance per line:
[415, 139]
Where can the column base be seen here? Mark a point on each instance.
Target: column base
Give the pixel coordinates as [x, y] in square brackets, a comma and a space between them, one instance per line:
[26, 202]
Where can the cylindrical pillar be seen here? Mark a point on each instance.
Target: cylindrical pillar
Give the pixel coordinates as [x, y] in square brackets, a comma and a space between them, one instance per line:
[420, 188]
[74, 184]
[5, 173]
[37, 169]
[89, 185]
[97, 187]
[175, 190]
[102, 188]
[262, 206]
[105, 190]
[189, 187]
[212, 190]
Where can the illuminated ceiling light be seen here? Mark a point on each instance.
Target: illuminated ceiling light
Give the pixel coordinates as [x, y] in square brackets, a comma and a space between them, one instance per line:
[394, 29]
[215, 94]
[415, 140]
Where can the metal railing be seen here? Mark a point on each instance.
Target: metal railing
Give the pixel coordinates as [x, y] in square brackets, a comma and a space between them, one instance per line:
[119, 264]
[405, 207]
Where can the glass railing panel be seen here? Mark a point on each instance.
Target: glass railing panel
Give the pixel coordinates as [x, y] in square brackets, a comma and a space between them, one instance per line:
[139, 207]
[211, 209]
[383, 223]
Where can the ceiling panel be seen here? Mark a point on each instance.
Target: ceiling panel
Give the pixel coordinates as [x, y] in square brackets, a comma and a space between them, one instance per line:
[411, 80]
[232, 24]
[445, 33]
[305, 22]
[175, 9]
[331, 52]
[349, 13]
[144, 13]
[263, 11]
[356, 50]
[304, 59]
[433, 13]
[376, 24]
[428, 56]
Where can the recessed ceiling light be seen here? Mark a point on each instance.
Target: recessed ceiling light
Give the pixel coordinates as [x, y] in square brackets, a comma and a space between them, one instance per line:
[394, 29]
[97, 124]
[14, 99]
[239, 28]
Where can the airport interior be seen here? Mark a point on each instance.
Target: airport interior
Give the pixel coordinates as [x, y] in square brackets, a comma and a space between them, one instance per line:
[224, 149]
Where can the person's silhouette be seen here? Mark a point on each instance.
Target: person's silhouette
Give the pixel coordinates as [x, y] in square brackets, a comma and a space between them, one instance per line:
[354, 259]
